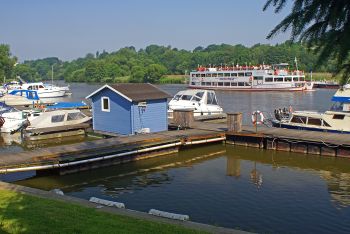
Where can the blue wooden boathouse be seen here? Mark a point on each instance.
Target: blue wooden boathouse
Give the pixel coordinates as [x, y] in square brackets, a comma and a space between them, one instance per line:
[128, 109]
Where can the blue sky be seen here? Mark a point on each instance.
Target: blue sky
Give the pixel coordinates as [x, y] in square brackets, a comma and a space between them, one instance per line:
[69, 29]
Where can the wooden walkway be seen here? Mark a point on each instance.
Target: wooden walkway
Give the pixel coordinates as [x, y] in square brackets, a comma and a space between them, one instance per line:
[128, 148]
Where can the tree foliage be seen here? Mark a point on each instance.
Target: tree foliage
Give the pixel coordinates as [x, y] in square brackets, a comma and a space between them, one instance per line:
[323, 25]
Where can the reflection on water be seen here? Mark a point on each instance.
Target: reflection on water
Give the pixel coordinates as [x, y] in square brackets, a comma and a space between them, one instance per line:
[246, 188]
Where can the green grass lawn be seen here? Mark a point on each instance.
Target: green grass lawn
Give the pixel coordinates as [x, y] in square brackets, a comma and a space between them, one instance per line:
[21, 213]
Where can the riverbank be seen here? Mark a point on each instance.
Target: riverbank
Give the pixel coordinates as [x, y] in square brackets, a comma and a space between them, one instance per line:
[23, 209]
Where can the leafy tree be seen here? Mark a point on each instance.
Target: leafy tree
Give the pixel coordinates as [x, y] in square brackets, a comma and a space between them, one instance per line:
[6, 62]
[154, 73]
[137, 74]
[323, 25]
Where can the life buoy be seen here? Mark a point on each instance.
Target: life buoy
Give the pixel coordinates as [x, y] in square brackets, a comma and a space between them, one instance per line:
[257, 117]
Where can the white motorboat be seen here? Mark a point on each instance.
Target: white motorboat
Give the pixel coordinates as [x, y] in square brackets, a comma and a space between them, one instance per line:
[11, 119]
[337, 119]
[202, 102]
[43, 91]
[57, 118]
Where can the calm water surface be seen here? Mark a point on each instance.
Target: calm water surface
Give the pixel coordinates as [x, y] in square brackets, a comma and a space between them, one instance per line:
[250, 189]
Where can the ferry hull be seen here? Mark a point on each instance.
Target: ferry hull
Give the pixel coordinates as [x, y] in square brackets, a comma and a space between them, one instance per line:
[250, 89]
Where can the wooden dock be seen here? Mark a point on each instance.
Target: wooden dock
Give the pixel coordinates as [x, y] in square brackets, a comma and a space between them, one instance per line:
[115, 150]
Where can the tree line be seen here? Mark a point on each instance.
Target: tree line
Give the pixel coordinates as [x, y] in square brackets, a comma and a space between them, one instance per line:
[154, 62]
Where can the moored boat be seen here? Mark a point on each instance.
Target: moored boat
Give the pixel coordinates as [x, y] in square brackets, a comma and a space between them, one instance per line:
[11, 119]
[202, 102]
[43, 91]
[276, 77]
[336, 120]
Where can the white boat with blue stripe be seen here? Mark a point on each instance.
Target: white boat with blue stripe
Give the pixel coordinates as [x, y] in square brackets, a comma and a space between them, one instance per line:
[336, 120]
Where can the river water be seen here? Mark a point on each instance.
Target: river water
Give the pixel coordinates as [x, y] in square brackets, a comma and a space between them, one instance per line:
[237, 187]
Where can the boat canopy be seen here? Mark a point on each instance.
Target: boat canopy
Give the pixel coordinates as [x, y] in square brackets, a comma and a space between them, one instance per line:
[342, 95]
[29, 94]
[66, 105]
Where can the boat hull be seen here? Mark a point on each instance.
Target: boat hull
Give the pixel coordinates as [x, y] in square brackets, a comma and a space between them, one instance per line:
[249, 89]
[306, 128]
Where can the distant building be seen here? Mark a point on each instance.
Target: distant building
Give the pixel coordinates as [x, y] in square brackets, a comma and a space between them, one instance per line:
[128, 109]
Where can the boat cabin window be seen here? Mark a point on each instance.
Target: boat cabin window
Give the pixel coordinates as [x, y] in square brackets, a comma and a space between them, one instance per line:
[198, 96]
[215, 75]
[338, 116]
[74, 116]
[295, 79]
[208, 75]
[314, 121]
[211, 98]
[240, 83]
[202, 75]
[105, 104]
[41, 87]
[233, 74]
[208, 83]
[298, 119]
[193, 75]
[326, 124]
[258, 78]
[220, 74]
[186, 97]
[57, 118]
[227, 84]
[302, 79]
[234, 84]
[268, 79]
[227, 74]
[220, 84]
[198, 75]
[241, 74]
[203, 83]
[248, 74]
[288, 79]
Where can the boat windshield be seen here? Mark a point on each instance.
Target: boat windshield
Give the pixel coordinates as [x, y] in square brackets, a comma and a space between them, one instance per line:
[189, 97]
[211, 98]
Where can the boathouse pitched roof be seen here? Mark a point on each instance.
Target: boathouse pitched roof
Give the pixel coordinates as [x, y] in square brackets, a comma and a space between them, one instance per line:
[135, 91]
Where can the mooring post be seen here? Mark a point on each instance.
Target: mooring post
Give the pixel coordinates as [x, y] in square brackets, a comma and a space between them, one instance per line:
[183, 118]
[234, 122]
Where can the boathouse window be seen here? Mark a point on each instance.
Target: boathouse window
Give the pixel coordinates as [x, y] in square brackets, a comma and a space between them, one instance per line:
[314, 121]
[338, 116]
[57, 118]
[298, 119]
[268, 79]
[105, 104]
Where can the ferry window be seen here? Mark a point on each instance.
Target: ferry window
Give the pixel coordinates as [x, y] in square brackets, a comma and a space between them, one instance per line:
[268, 79]
[278, 79]
[258, 78]
[288, 79]
[202, 75]
[105, 104]
[203, 83]
[220, 84]
[302, 78]
[220, 74]
[207, 83]
[295, 78]
[193, 75]
[298, 119]
[227, 74]
[234, 74]
[248, 74]
[338, 116]
[227, 84]
[57, 118]
[241, 74]
[192, 83]
[214, 75]
[208, 75]
[240, 83]
[314, 121]
[198, 75]
[246, 84]
[234, 84]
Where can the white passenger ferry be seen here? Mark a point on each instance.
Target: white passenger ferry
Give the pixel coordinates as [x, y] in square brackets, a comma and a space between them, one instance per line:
[249, 78]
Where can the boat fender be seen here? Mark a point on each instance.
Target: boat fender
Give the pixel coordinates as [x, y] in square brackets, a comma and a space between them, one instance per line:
[257, 117]
[168, 215]
[106, 202]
